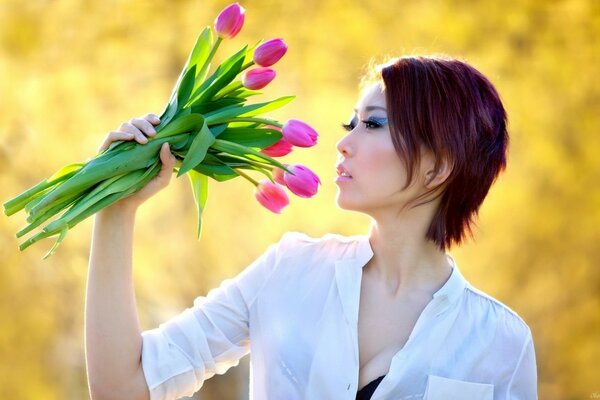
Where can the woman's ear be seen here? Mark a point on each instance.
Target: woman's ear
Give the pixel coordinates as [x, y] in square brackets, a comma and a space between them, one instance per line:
[436, 177]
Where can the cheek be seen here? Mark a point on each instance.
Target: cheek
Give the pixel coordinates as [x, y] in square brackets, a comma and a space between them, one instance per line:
[386, 169]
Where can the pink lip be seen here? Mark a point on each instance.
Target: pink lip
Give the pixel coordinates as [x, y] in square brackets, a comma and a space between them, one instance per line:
[341, 169]
[343, 178]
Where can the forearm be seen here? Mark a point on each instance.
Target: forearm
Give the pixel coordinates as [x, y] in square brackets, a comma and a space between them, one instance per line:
[112, 331]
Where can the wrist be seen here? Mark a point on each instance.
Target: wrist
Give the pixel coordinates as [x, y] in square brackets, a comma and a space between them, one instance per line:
[119, 212]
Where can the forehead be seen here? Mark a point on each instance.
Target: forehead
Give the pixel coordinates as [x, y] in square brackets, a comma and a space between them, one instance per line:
[373, 95]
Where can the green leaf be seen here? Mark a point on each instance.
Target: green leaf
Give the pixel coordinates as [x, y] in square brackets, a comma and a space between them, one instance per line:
[261, 108]
[121, 144]
[63, 233]
[245, 124]
[187, 84]
[223, 114]
[109, 165]
[198, 91]
[202, 141]
[234, 148]
[250, 52]
[105, 202]
[250, 110]
[252, 137]
[228, 75]
[218, 129]
[48, 214]
[168, 113]
[220, 173]
[112, 185]
[244, 93]
[224, 74]
[199, 184]
[17, 203]
[186, 123]
[200, 52]
[148, 175]
[204, 108]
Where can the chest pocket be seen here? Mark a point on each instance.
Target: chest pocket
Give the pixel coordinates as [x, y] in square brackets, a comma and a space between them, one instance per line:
[441, 388]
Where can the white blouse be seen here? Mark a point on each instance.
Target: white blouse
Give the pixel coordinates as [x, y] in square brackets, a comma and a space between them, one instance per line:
[295, 309]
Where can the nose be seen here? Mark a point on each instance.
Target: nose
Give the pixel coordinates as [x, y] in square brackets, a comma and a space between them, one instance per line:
[342, 146]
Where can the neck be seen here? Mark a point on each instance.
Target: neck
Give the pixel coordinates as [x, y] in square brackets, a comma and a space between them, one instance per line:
[403, 260]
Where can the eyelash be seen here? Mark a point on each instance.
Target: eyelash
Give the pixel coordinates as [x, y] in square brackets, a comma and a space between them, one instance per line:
[369, 124]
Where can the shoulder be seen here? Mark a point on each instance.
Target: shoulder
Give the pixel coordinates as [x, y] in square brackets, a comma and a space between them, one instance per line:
[306, 251]
[294, 240]
[505, 322]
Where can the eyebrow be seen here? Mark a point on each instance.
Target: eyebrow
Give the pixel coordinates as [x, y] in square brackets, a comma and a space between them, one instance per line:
[371, 108]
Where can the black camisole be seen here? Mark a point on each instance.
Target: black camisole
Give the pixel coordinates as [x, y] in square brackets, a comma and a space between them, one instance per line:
[367, 391]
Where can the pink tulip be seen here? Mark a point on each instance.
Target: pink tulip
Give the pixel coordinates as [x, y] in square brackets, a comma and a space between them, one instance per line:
[271, 196]
[269, 52]
[258, 78]
[278, 175]
[279, 149]
[304, 182]
[299, 133]
[230, 20]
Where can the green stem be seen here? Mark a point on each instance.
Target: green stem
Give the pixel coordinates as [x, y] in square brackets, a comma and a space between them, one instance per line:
[231, 89]
[251, 119]
[248, 64]
[211, 55]
[253, 162]
[245, 176]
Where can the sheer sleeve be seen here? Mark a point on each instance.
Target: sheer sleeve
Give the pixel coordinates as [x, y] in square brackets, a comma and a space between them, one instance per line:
[523, 383]
[208, 338]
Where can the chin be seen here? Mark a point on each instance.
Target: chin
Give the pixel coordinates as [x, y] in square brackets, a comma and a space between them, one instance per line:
[347, 204]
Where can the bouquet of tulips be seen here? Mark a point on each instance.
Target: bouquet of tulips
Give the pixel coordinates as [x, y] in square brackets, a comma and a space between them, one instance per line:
[210, 129]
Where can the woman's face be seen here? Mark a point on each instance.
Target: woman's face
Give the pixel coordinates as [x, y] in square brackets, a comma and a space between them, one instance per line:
[367, 153]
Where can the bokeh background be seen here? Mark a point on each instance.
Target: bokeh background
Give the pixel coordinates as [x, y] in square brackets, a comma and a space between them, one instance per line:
[71, 70]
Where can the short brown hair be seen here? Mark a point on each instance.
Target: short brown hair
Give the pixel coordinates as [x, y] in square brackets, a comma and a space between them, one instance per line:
[454, 111]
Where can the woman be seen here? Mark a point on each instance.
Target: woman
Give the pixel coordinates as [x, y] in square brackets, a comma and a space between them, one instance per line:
[386, 315]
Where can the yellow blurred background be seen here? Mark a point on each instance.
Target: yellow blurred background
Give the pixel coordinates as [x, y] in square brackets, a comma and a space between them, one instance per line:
[71, 70]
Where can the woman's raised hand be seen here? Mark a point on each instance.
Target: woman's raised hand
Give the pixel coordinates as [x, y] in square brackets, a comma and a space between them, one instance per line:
[138, 129]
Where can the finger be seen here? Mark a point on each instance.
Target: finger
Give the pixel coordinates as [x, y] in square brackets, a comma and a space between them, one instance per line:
[167, 158]
[113, 136]
[144, 126]
[130, 128]
[152, 118]
[168, 161]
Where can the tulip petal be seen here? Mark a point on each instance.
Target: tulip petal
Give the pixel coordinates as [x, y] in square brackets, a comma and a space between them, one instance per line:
[271, 196]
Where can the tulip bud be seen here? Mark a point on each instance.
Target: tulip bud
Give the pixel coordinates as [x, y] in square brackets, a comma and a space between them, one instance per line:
[230, 20]
[278, 175]
[271, 196]
[258, 78]
[279, 149]
[269, 52]
[299, 133]
[304, 182]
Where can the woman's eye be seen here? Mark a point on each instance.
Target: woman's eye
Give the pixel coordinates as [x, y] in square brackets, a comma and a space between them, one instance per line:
[375, 122]
[349, 126]
[372, 124]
